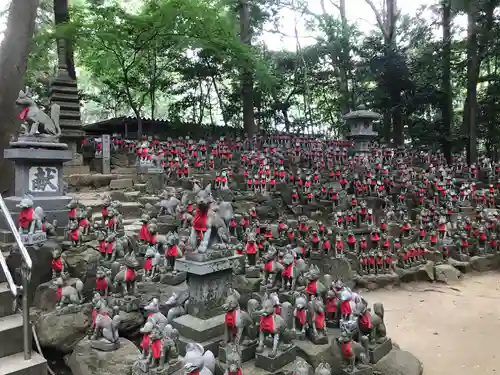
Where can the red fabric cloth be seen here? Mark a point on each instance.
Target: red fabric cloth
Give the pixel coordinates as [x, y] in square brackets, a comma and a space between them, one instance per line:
[288, 271]
[200, 220]
[144, 233]
[268, 266]
[102, 246]
[104, 212]
[331, 305]
[58, 294]
[156, 349]
[109, 248]
[72, 214]
[301, 315]
[238, 372]
[101, 284]
[311, 287]
[320, 320]
[365, 320]
[145, 341]
[267, 323]
[130, 274]
[24, 113]
[346, 349]
[25, 217]
[57, 264]
[230, 320]
[172, 251]
[251, 248]
[345, 307]
[74, 234]
[148, 264]
[111, 222]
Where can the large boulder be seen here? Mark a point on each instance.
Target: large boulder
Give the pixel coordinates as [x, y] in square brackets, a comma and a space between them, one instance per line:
[88, 361]
[398, 362]
[447, 274]
[63, 329]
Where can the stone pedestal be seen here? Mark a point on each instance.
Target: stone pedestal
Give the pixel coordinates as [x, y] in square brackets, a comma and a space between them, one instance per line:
[379, 351]
[272, 364]
[208, 281]
[38, 166]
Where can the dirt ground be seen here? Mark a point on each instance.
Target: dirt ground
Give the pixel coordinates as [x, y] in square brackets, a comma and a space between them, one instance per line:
[453, 329]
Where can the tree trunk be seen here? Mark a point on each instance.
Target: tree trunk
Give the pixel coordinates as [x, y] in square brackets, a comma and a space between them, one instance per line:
[470, 108]
[447, 102]
[14, 54]
[246, 72]
[61, 16]
[345, 63]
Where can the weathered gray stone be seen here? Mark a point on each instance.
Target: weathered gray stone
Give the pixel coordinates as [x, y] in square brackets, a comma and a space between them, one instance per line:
[88, 361]
[399, 362]
[447, 273]
[62, 331]
[122, 183]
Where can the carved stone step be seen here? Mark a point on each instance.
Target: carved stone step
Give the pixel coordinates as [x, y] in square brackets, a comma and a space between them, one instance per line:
[15, 364]
[11, 335]
[6, 299]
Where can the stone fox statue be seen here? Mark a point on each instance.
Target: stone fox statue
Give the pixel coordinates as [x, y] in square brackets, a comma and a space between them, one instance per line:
[208, 227]
[28, 220]
[40, 122]
[236, 321]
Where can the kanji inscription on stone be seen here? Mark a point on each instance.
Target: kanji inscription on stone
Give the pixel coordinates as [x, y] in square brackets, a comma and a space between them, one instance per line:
[43, 179]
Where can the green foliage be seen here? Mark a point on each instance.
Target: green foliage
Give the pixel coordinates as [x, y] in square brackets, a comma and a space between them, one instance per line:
[182, 59]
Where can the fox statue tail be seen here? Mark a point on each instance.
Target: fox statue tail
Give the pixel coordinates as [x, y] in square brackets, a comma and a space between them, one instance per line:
[55, 113]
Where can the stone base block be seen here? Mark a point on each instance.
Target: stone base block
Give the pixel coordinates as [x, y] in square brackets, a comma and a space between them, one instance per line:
[378, 351]
[272, 364]
[105, 346]
[209, 255]
[253, 273]
[199, 330]
[318, 339]
[287, 297]
[173, 279]
[357, 371]
[247, 353]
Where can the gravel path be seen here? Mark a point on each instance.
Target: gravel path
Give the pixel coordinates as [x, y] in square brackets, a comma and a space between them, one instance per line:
[453, 329]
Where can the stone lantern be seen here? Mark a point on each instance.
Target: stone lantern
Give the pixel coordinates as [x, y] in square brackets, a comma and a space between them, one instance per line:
[361, 129]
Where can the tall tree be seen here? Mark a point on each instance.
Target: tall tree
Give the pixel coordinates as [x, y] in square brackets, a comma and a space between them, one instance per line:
[246, 73]
[447, 98]
[14, 53]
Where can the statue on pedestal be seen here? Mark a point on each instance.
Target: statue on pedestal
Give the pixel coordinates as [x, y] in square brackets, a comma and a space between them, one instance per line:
[35, 121]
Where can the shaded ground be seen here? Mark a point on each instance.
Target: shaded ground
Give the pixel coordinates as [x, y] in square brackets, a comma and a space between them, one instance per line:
[453, 329]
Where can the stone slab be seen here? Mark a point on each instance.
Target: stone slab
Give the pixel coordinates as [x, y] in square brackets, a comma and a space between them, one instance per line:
[199, 329]
[141, 367]
[31, 154]
[272, 364]
[209, 255]
[208, 267]
[378, 351]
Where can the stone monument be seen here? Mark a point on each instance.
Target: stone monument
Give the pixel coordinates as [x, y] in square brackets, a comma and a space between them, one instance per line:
[209, 264]
[38, 158]
[361, 128]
